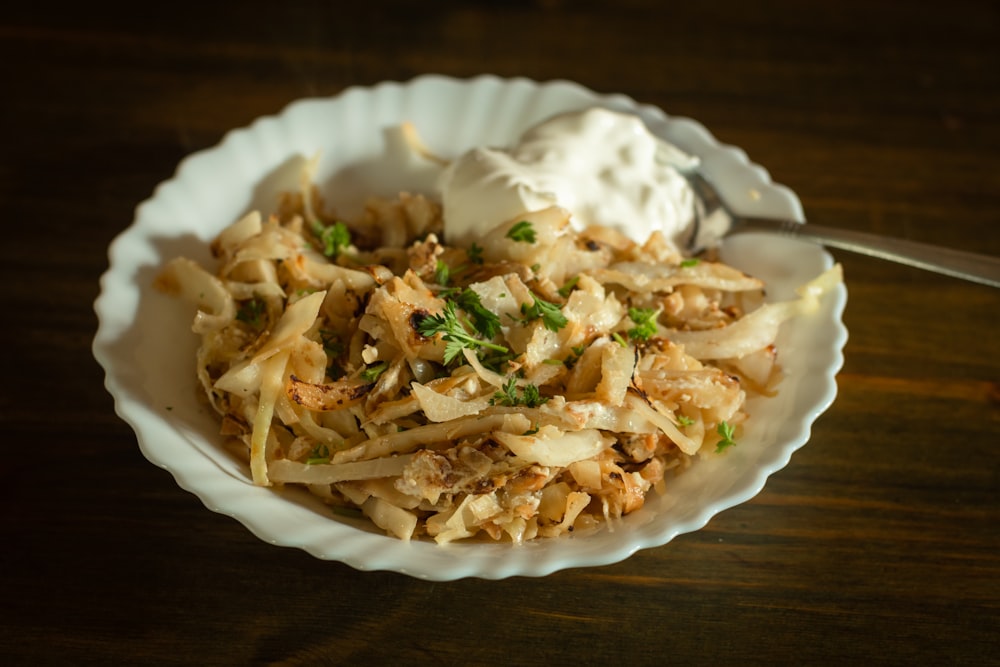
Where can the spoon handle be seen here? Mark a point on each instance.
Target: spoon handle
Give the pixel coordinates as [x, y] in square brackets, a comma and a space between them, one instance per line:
[970, 266]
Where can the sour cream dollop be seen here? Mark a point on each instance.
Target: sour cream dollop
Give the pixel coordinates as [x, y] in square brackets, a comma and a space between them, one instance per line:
[605, 167]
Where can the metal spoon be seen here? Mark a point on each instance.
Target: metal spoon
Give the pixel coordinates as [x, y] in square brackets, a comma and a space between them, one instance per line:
[714, 220]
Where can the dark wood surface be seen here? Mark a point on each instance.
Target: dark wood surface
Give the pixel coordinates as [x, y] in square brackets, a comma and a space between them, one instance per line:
[878, 544]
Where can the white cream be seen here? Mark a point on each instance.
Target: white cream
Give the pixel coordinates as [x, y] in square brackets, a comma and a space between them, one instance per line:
[605, 167]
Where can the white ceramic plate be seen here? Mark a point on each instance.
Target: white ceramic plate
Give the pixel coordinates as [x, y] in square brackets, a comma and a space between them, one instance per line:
[146, 347]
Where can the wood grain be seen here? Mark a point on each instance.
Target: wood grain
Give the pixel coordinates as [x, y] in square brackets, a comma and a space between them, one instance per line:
[878, 544]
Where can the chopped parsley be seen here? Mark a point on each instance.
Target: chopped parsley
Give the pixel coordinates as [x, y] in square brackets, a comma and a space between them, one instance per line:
[454, 333]
[319, 454]
[645, 323]
[495, 361]
[484, 320]
[529, 397]
[726, 432]
[251, 311]
[618, 339]
[371, 373]
[334, 238]
[522, 231]
[475, 253]
[442, 273]
[548, 312]
[568, 287]
[577, 352]
[688, 263]
[684, 420]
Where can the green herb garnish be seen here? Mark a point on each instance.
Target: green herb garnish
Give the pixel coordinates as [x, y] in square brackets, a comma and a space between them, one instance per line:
[548, 312]
[454, 333]
[334, 238]
[529, 397]
[577, 352]
[371, 373]
[684, 420]
[688, 263]
[251, 311]
[319, 454]
[442, 273]
[484, 320]
[645, 323]
[532, 397]
[568, 287]
[522, 231]
[475, 253]
[726, 431]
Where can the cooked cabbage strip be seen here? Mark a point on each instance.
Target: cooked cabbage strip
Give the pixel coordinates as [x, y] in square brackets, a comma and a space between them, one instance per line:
[327, 397]
[758, 329]
[402, 442]
[294, 472]
[216, 307]
[272, 371]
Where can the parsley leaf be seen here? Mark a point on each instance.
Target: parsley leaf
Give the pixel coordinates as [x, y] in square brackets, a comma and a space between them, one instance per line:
[442, 273]
[568, 287]
[726, 431]
[484, 320]
[251, 311]
[548, 312]
[334, 238]
[495, 361]
[507, 394]
[371, 373]
[684, 420]
[530, 396]
[522, 231]
[453, 333]
[577, 352]
[688, 263]
[645, 323]
[475, 253]
[319, 454]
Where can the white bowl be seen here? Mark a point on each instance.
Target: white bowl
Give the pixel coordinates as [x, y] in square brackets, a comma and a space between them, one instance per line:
[146, 347]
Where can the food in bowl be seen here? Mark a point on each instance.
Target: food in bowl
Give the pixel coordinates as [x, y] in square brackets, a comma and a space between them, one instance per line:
[505, 374]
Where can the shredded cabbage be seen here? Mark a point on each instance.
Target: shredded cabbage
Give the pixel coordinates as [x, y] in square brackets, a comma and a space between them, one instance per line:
[497, 391]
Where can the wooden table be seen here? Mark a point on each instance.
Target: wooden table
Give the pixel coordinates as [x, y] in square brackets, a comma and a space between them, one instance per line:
[878, 544]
